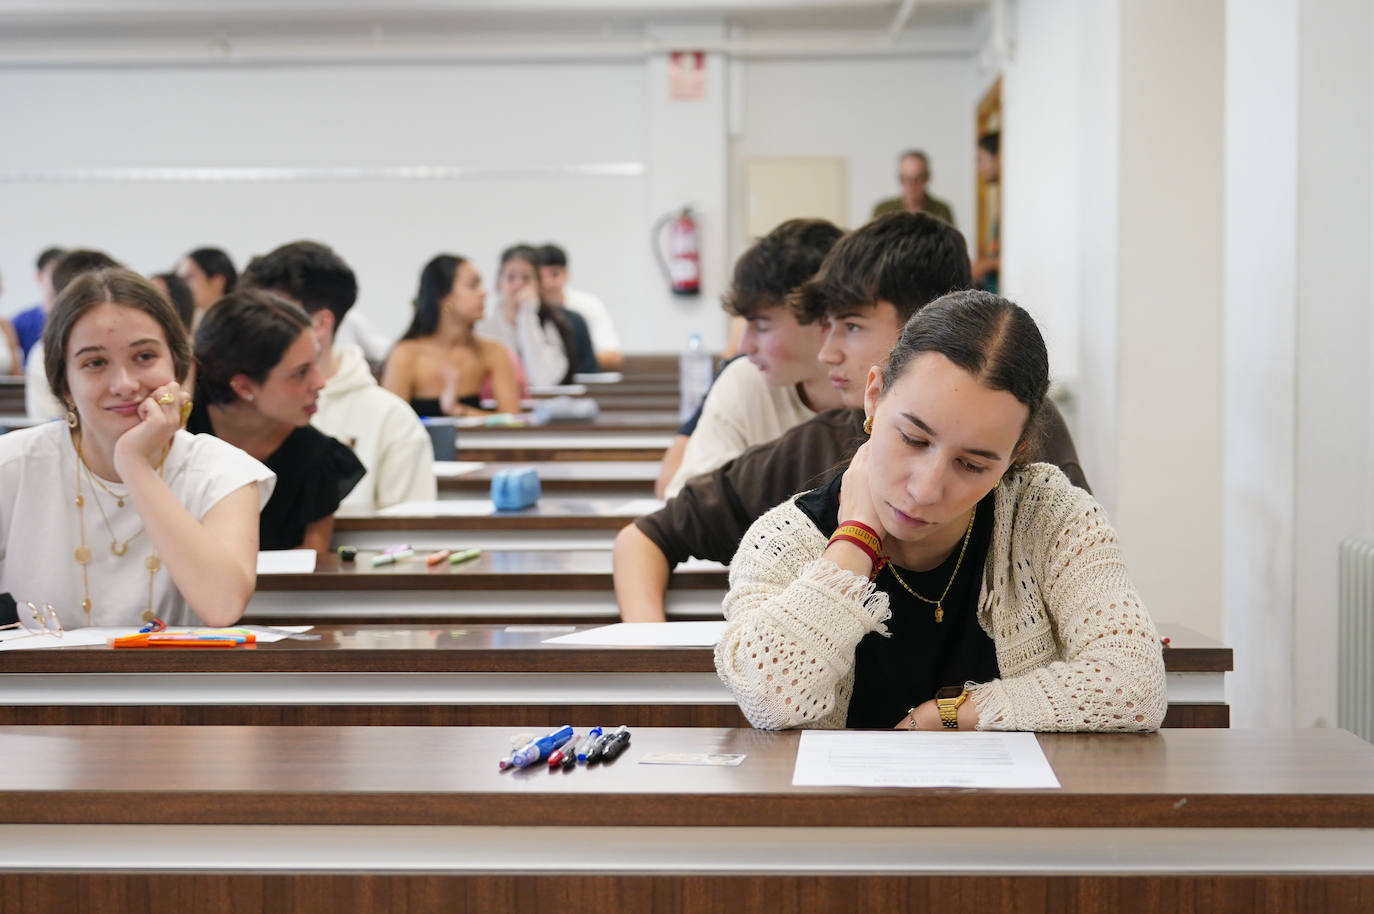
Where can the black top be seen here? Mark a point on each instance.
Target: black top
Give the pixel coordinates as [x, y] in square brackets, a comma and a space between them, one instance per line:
[314, 473]
[582, 359]
[893, 675]
[430, 406]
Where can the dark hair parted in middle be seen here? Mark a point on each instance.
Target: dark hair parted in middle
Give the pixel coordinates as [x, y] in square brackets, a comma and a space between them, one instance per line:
[75, 262]
[436, 282]
[214, 262]
[118, 286]
[777, 264]
[905, 259]
[991, 338]
[245, 333]
[307, 272]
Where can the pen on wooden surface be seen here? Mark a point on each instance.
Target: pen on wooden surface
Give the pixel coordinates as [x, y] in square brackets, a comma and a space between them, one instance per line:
[465, 555]
[435, 558]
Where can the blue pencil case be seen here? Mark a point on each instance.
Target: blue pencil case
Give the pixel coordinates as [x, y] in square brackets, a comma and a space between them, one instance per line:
[512, 490]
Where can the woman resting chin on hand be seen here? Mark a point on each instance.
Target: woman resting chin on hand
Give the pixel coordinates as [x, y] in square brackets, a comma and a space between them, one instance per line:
[937, 584]
[118, 515]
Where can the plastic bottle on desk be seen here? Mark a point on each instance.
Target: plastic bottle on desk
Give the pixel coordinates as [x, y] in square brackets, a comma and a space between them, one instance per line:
[694, 377]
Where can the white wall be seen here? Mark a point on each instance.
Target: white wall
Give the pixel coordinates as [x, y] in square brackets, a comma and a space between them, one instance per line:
[1334, 162]
[866, 112]
[515, 128]
[510, 117]
[1261, 325]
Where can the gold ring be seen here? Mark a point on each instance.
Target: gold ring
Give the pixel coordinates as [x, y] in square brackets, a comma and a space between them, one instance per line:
[166, 399]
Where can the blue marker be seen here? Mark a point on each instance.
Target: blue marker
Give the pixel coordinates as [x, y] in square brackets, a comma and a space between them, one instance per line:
[587, 742]
[537, 750]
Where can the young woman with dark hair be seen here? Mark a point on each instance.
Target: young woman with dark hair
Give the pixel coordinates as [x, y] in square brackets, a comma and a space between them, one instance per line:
[210, 274]
[116, 515]
[938, 582]
[441, 365]
[256, 386]
[537, 333]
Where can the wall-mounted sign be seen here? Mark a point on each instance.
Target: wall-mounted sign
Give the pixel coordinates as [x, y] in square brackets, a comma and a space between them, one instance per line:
[687, 74]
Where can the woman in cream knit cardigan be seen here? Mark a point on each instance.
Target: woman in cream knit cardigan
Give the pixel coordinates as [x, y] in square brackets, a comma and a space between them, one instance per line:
[937, 563]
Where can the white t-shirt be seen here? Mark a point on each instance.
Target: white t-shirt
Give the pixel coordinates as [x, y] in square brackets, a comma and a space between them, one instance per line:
[598, 317]
[39, 402]
[539, 346]
[40, 525]
[741, 410]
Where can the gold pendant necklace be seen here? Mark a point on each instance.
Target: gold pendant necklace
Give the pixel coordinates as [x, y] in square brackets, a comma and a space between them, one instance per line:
[939, 604]
[83, 552]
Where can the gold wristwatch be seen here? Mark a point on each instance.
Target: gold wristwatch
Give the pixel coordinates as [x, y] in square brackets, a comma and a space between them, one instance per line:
[948, 700]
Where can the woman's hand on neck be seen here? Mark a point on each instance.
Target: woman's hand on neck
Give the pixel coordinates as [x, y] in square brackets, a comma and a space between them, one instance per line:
[242, 425]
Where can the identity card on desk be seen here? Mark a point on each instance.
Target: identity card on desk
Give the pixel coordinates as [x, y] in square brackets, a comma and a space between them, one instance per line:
[902, 758]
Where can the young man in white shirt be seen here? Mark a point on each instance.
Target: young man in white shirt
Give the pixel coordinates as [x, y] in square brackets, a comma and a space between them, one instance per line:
[779, 383]
[379, 426]
[553, 278]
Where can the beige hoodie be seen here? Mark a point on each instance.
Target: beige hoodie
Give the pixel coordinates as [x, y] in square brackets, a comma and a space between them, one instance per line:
[383, 432]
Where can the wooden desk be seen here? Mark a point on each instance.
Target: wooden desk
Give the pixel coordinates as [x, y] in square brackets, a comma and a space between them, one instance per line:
[12, 395]
[585, 478]
[547, 443]
[474, 674]
[560, 586]
[404, 819]
[555, 522]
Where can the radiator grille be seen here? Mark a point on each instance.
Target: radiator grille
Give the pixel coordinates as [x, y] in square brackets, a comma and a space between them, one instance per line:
[1355, 693]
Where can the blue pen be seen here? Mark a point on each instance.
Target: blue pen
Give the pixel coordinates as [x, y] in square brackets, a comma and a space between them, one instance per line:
[537, 749]
[587, 742]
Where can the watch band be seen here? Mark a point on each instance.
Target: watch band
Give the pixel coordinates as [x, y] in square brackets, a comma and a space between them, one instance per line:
[949, 709]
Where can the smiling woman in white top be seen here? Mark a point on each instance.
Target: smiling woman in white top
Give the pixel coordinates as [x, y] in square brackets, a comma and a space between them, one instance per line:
[118, 515]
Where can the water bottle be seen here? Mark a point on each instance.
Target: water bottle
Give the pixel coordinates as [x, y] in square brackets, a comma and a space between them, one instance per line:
[694, 377]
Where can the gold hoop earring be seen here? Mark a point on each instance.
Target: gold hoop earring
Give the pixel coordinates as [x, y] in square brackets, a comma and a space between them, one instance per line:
[868, 425]
[73, 420]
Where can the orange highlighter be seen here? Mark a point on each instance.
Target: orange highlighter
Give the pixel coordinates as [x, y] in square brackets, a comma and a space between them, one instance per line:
[204, 639]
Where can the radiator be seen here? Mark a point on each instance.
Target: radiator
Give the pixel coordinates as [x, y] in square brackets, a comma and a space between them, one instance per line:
[1355, 693]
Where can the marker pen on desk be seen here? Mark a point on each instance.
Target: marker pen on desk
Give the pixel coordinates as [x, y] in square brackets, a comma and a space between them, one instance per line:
[390, 558]
[569, 760]
[537, 749]
[465, 555]
[399, 547]
[598, 752]
[587, 742]
[435, 558]
[616, 744]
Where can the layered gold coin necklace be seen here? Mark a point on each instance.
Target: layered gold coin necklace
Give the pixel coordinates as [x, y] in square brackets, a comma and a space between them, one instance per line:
[83, 552]
[939, 608]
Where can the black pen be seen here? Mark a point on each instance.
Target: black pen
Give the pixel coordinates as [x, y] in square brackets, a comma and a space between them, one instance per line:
[569, 760]
[615, 744]
[598, 750]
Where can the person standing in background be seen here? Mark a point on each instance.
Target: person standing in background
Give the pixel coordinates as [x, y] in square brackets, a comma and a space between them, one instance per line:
[913, 174]
[553, 276]
[210, 274]
[28, 324]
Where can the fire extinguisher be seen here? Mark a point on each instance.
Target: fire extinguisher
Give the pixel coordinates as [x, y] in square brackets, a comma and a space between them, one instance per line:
[682, 267]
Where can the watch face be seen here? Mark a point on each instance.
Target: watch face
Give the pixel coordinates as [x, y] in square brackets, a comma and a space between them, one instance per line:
[948, 693]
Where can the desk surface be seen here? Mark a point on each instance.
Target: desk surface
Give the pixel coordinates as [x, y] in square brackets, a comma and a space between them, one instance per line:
[574, 570]
[551, 512]
[570, 477]
[469, 648]
[448, 776]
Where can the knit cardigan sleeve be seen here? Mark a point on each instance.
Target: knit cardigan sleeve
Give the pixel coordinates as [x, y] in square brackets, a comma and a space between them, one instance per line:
[793, 620]
[1076, 648]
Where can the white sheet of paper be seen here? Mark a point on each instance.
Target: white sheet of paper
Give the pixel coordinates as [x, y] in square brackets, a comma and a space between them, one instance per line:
[87, 637]
[640, 506]
[903, 758]
[648, 634]
[700, 565]
[286, 561]
[455, 507]
[452, 469]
